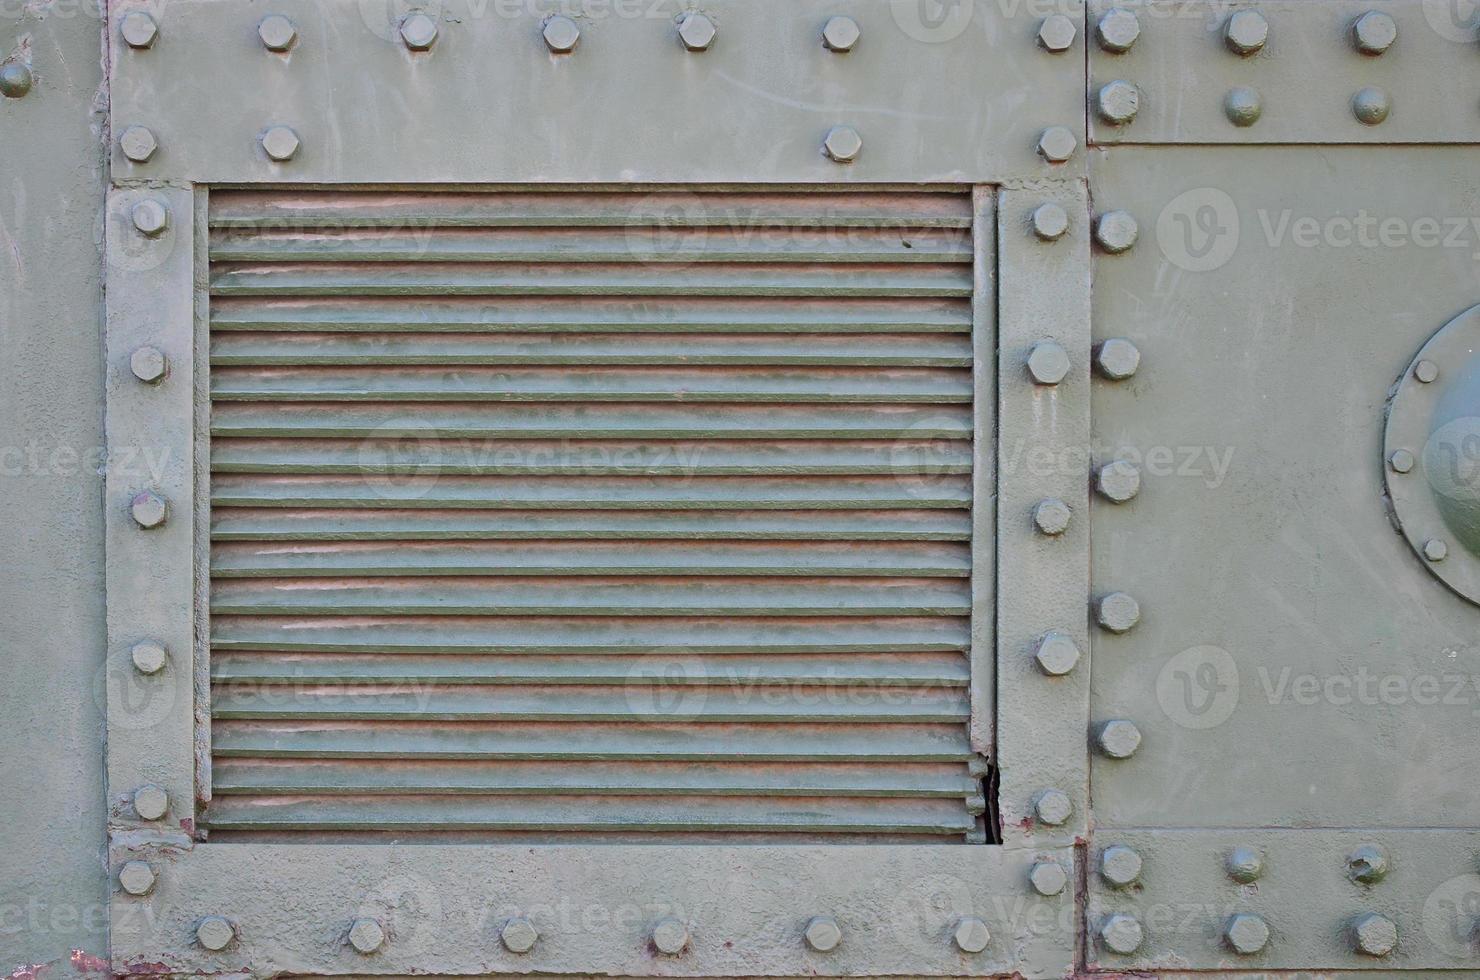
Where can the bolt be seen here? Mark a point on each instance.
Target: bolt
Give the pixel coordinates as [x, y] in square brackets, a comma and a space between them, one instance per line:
[696, 32]
[1118, 30]
[1118, 738]
[1401, 461]
[138, 144]
[419, 31]
[1118, 480]
[1056, 144]
[561, 34]
[1052, 807]
[136, 878]
[277, 32]
[149, 657]
[1115, 231]
[150, 217]
[1056, 33]
[1435, 550]
[1118, 612]
[1246, 934]
[972, 934]
[1371, 106]
[1375, 935]
[1048, 362]
[366, 935]
[670, 936]
[1117, 102]
[1121, 934]
[1367, 864]
[138, 29]
[519, 935]
[148, 364]
[1426, 371]
[1117, 358]
[840, 34]
[1050, 221]
[842, 144]
[150, 802]
[1051, 516]
[215, 933]
[1244, 864]
[1048, 878]
[822, 933]
[281, 143]
[149, 509]
[1245, 32]
[1057, 654]
[15, 80]
[1242, 106]
[1120, 865]
[1374, 32]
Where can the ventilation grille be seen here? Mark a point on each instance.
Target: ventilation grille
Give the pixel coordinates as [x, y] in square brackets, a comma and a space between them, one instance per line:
[590, 514]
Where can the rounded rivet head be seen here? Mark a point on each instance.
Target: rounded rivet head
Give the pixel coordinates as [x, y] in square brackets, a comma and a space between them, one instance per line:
[971, 935]
[277, 32]
[215, 933]
[149, 656]
[138, 30]
[1052, 807]
[149, 509]
[1374, 32]
[1367, 864]
[842, 144]
[1056, 144]
[1117, 612]
[151, 802]
[280, 143]
[1245, 32]
[1056, 654]
[1435, 550]
[1121, 934]
[1246, 934]
[138, 144]
[1117, 102]
[150, 217]
[1426, 371]
[840, 34]
[15, 80]
[1051, 516]
[1117, 30]
[1120, 865]
[1243, 106]
[670, 936]
[561, 34]
[1048, 362]
[1371, 106]
[696, 32]
[136, 878]
[823, 933]
[1056, 33]
[1374, 934]
[518, 935]
[1116, 231]
[366, 935]
[419, 31]
[1244, 864]
[1050, 221]
[1118, 739]
[1117, 358]
[1401, 461]
[1118, 480]
[1048, 878]
[148, 364]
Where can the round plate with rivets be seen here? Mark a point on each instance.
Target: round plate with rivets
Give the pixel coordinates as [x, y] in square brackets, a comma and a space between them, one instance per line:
[1431, 454]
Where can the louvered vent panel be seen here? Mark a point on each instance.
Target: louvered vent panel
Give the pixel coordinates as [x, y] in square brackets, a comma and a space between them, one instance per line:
[563, 515]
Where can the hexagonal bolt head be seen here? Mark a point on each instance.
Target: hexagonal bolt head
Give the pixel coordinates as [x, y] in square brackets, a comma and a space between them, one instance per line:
[1426, 372]
[1049, 221]
[1374, 934]
[149, 364]
[971, 934]
[1118, 480]
[1367, 864]
[823, 933]
[1121, 934]
[1053, 808]
[138, 144]
[670, 936]
[149, 509]
[840, 34]
[1118, 739]
[1401, 461]
[1116, 231]
[1243, 106]
[1244, 864]
[149, 656]
[1246, 934]
[419, 31]
[1048, 362]
[1057, 144]
[215, 933]
[138, 30]
[561, 34]
[280, 143]
[1117, 358]
[1435, 550]
[150, 217]
[842, 144]
[1120, 865]
[1117, 612]
[1117, 102]
[1048, 878]
[1052, 516]
[1056, 33]
[696, 32]
[151, 802]
[15, 80]
[136, 878]
[277, 32]
[1117, 30]
[518, 935]
[1374, 32]
[1245, 32]
[366, 936]
[1056, 654]
[1371, 106]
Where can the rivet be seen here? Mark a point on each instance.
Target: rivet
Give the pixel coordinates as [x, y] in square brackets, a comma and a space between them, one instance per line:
[148, 364]
[1056, 144]
[150, 217]
[1118, 738]
[1118, 30]
[138, 144]
[1118, 480]
[670, 936]
[1243, 106]
[1056, 33]
[1116, 231]
[277, 32]
[1117, 358]
[1050, 221]
[1374, 934]
[1371, 106]
[1121, 934]
[823, 933]
[1246, 934]
[215, 933]
[1117, 102]
[1401, 461]
[1051, 516]
[561, 34]
[1117, 612]
[1057, 654]
[1367, 864]
[149, 656]
[1120, 865]
[138, 29]
[518, 935]
[366, 935]
[419, 31]
[1426, 371]
[1048, 877]
[1052, 807]
[1244, 864]
[280, 143]
[1374, 32]
[136, 877]
[1245, 32]
[151, 802]
[840, 34]
[696, 32]
[149, 509]
[1435, 550]
[1048, 362]
[15, 80]
[842, 144]
[971, 934]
